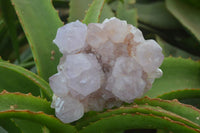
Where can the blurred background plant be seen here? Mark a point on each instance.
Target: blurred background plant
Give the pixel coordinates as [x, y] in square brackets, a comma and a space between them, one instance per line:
[27, 29]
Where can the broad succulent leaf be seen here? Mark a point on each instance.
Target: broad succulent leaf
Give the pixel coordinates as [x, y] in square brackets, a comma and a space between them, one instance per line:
[49, 121]
[28, 107]
[170, 50]
[186, 14]
[9, 16]
[194, 3]
[181, 94]
[94, 12]
[20, 101]
[178, 73]
[173, 106]
[135, 121]
[22, 80]
[130, 15]
[134, 109]
[187, 96]
[156, 15]
[27, 126]
[40, 32]
[78, 9]
[10, 126]
[106, 12]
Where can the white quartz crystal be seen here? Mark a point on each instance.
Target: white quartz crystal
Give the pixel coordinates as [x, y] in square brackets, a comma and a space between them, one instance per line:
[126, 80]
[116, 30]
[58, 84]
[76, 64]
[96, 36]
[106, 52]
[137, 34]
[83, 73]
[71, 37]
[103, 65]
[67, 107]
[149, 55]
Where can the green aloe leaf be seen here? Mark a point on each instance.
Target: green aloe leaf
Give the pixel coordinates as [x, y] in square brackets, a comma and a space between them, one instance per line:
[52, 123]
[162, 131]
[40, 22]
[186, 111]
[78, 9]
[170, 50]
[20, 101]
[106, 12]
[191, 101]
[193, 2]
[17, 79]
[60, 3]
[155, 14]
[25, 56]
[130, 15]
[144, 109]
[187, 96]
[27, 64]
[27, 126]
[181, 94]
[94, 12]
[10, 126]
[5, 41]
[134, 121]
[1, 60]
[11, 23]
[178, 73]
[187, 15]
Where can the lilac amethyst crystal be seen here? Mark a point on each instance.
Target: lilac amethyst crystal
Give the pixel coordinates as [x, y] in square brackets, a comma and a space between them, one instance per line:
[103, 65]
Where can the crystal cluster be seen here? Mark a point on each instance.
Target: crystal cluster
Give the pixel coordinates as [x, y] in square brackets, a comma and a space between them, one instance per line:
[103, 65]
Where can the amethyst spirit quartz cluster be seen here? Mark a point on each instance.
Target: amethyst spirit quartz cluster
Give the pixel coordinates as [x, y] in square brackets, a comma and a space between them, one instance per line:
[103, 65]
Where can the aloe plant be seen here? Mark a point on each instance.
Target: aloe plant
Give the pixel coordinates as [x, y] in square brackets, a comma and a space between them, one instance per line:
[29, 58]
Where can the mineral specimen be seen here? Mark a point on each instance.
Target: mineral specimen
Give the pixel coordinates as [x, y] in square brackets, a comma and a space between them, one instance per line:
[103, 65]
